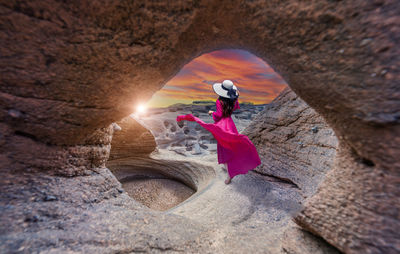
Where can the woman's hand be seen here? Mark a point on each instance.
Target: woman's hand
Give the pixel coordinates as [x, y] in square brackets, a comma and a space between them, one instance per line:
[210, 112]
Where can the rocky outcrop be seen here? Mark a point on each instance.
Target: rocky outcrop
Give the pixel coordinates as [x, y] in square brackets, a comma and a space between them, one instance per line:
[132, 140]
[71, 68]
[298, 241]
[36, 156]
[159, 185]
[293, 141]
[345, 191]
[86, 214]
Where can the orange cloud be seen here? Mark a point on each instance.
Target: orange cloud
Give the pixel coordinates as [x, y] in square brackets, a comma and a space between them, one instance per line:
[255, 79]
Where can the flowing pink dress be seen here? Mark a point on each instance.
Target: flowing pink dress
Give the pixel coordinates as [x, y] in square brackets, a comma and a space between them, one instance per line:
[233, 148]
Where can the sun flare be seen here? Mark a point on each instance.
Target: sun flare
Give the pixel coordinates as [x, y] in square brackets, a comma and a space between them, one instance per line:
[141, 109]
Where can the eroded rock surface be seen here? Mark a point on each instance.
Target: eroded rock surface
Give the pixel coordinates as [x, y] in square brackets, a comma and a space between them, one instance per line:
[298, 241]
[34, 156]
[159, 183]
[71, 68]
[376, 192]
[157, 193]
[87, 214]
[132, 140]
[293, 141]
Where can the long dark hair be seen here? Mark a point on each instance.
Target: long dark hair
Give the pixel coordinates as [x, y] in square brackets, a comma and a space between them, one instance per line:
[227, 106]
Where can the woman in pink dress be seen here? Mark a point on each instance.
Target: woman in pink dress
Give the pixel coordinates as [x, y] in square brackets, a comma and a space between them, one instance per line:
[235, 150]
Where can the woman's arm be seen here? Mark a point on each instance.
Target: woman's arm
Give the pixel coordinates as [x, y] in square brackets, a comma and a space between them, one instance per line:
[217, 115]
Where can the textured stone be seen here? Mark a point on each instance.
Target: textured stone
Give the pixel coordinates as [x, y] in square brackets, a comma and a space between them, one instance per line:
[133, 140]
[361, 202]
[71, 68]
[159, 193]
[91, 215]
[148, 181]
[160, 183]
[293, 141]
[35, 156]
[298, 241]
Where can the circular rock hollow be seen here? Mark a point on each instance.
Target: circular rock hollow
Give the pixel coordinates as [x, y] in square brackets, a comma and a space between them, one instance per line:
[158, 184]
[156, 192]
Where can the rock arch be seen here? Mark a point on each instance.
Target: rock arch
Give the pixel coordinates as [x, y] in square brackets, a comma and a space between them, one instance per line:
[69, 69]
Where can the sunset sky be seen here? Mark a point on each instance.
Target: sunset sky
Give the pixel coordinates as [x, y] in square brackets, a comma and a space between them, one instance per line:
[255, 79]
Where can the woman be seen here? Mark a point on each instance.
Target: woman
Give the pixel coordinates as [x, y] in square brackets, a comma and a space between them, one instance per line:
[235, 150]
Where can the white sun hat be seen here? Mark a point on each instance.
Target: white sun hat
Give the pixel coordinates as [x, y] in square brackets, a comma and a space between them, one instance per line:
[226, 89]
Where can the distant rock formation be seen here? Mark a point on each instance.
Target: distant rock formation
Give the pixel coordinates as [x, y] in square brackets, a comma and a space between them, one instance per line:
[189, 138]
[293, 141]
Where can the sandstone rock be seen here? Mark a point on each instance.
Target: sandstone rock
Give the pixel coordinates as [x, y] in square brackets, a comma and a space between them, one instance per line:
[91, 215]
[298, 241]
[35, 156]
[160, 184]
[287, 145]
[339, 202]
[69, 69]
[158, 194]
[133, 140]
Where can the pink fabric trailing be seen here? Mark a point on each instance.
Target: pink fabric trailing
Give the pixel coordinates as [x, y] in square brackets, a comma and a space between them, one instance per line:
[233, 148]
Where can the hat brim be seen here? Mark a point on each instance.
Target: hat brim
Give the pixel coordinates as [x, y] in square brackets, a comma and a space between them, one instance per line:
[222, 92]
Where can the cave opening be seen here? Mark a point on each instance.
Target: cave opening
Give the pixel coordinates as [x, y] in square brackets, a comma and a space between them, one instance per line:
[72, 68]
[153, 126]
[190, 91]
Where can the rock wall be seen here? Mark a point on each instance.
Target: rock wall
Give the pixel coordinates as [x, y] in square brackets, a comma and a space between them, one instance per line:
[132, 140]
[34, 156]
[348, 190]
[293, 141]
[71, 68]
